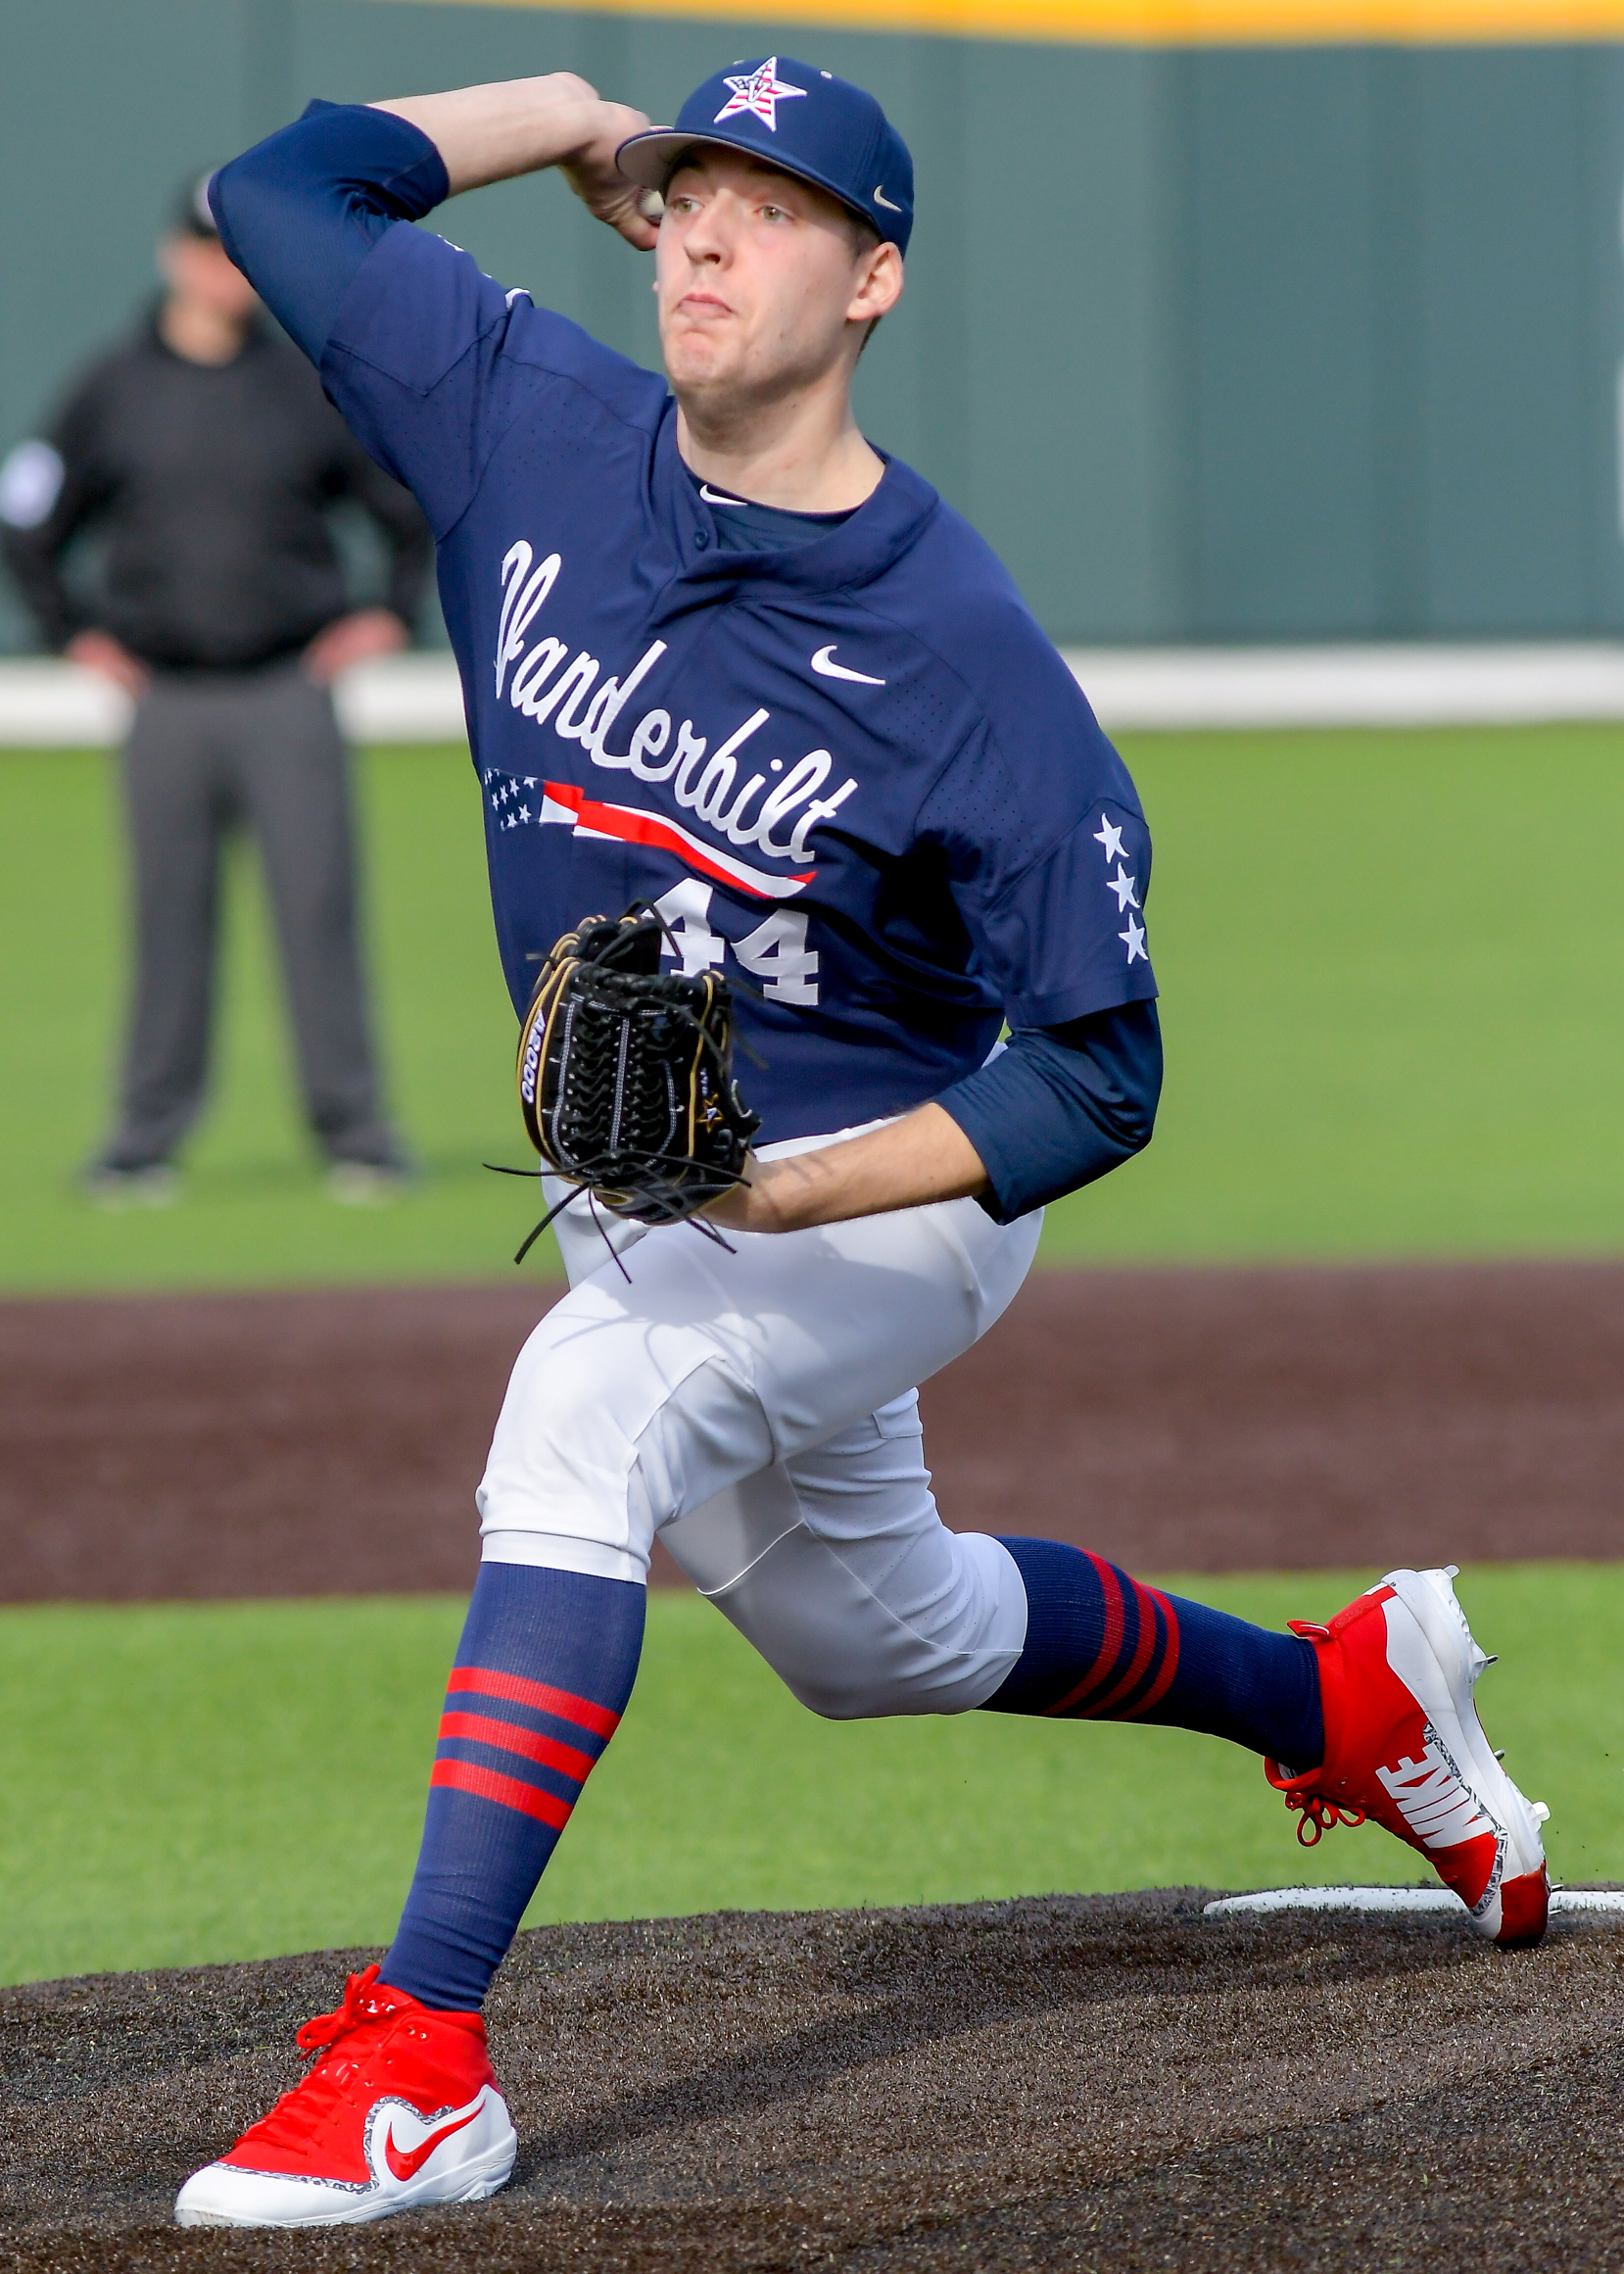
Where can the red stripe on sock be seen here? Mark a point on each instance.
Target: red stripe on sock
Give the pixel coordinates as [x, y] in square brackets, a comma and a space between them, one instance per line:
[541, 1695]
[1146, 1609]
[1106, 1658]
[507, 1791]
[510, 1738]
[1169, 1663]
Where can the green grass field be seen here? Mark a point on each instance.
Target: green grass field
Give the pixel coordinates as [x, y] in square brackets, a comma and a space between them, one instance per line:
[1391, 978]
[227, 1782]
[1391, 992]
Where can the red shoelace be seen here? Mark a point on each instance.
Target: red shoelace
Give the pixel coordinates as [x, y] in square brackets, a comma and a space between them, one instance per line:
[359, 2006]
[301, 2113]
[1319, 1816]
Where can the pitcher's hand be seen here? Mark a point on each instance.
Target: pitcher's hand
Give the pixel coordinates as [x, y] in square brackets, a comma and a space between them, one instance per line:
[601, 185]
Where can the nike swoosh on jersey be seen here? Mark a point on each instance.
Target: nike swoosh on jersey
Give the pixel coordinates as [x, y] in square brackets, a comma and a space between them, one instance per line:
[715, 496]
[408, 2166]
[881, 199]
[823, 663]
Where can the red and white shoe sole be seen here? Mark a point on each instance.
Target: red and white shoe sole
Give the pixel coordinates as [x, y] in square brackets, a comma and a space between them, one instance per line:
[221, 2196]
[1431, 1649]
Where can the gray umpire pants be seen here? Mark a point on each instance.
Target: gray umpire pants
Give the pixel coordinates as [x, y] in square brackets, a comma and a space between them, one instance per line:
[205, 757]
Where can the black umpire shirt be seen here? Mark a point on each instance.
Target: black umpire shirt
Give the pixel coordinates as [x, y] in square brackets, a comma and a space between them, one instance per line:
[208, 488]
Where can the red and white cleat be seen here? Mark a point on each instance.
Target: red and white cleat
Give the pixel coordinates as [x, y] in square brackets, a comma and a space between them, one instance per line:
[400, 2108]
[1404, 1746]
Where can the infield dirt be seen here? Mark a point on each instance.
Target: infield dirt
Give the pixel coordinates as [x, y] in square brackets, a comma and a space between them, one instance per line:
[329, 1443]
[1105, 2082]
[1088, 2083]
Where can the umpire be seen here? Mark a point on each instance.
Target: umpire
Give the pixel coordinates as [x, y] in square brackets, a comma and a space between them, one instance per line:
[201, 459]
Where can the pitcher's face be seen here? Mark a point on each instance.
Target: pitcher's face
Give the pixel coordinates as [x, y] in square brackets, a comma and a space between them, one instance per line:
[764, 281]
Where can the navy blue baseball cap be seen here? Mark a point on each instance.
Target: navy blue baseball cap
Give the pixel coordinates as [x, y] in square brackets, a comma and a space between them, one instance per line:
[804, 122]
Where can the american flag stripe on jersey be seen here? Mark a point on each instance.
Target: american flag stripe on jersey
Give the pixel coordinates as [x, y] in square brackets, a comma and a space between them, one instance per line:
[563, 803]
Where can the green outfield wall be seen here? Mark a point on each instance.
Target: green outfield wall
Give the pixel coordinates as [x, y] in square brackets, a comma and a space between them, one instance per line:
[1244, 340]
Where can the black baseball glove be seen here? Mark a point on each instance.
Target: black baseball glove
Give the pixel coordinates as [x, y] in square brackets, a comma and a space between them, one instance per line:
[624, 1074]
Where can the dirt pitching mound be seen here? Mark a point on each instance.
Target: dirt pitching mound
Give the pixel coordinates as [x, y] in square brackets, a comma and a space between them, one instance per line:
[329, 1443]
[1102, 2082]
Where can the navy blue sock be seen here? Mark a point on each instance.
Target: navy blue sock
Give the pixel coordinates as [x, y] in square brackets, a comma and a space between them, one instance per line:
[1102, 1647]
[543, 1673]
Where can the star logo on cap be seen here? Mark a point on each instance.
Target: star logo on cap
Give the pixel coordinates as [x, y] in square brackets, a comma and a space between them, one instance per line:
[759, 92]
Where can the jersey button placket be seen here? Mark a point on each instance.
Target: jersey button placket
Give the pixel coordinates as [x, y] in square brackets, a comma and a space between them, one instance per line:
[701, 538]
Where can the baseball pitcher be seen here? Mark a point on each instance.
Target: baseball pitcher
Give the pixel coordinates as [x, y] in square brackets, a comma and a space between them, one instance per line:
[769, 749]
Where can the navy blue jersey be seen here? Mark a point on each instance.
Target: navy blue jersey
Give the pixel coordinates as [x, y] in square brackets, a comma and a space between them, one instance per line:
[855, 775]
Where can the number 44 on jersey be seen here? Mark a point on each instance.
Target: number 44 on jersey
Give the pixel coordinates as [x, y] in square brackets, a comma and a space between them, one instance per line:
[774, 954]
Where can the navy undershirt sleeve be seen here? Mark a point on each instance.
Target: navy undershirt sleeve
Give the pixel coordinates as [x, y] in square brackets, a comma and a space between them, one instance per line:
[301, 210]
[1061, 1106]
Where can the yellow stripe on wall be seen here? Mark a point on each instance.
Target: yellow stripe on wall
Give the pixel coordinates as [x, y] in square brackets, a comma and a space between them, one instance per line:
[1172, 23]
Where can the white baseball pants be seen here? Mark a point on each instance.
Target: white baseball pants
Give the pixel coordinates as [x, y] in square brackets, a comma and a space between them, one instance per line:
[759, 1412]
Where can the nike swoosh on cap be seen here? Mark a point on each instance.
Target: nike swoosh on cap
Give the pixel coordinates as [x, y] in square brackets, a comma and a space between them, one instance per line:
[881, 199]
[823, 663]
[408, 2166]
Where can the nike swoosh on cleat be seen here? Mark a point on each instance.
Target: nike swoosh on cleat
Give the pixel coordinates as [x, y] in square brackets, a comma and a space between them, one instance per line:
[881, 199]
[408, 2166]
[1435, 1799]
[823, 664]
